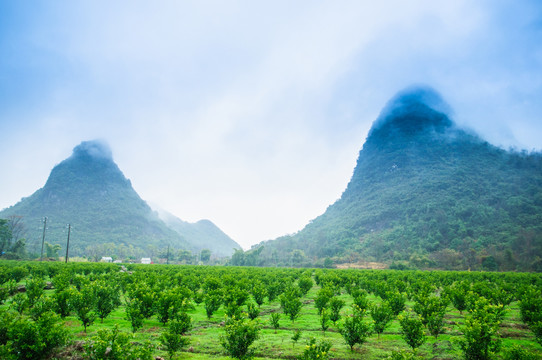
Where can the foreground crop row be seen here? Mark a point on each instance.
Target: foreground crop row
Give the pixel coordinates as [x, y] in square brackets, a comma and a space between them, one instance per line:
[105, 311]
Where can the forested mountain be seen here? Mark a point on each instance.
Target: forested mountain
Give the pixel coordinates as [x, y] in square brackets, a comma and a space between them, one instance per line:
[426, 193]
[202, 234]
[108, 217]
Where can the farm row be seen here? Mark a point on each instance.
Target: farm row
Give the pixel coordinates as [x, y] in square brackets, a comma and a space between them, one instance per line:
[106, 311]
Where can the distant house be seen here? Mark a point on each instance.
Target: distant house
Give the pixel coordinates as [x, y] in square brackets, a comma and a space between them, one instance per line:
[145, 260]
[107, 259]
[117, 262]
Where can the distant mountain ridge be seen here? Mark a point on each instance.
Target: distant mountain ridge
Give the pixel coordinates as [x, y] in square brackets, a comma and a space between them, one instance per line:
[427, 193]
[203, 234]
[91, 193]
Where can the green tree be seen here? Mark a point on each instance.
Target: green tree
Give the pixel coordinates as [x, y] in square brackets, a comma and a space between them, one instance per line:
[173, 339]
[315, 351]
[355, 329]
[107, 297]
[322, 298]
[480, 339]
[239, 336]
[275, 319]
[113, 344]
[212, 301]
[335, 306]
[382, 316]
[205, 255]
[28, 339]
[83, 303]
[133, 314]
[259, 292]
[305, 284]
[412, 330]
[291, 304]
[324, 320]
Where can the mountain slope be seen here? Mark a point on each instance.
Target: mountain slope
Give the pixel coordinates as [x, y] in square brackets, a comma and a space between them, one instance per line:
[89, 191]
[430, 193]
[202, 234]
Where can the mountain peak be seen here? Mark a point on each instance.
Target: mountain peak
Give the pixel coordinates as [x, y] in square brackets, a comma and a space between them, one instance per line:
[416, 110]
[94, 149]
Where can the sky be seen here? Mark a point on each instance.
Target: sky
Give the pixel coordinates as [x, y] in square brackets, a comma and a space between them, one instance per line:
[251, 113]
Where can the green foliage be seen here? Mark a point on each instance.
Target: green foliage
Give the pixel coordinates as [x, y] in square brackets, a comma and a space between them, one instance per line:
[335, 306]
[115, 345]
[516, 352]
[382, 316]
[83, 302]
[412, 330]
[305, 284]
[530, 306]
[275, 320]
[316, 351]
[396, 301]
[239, 336]
[212, 301]
[480, 339]
[31, 339]
[252, 310]
[322, 298]
[403, 355]
[34, 289]
[324, 320]
[173, 339]
[291, 304]
[107, 298]
[133, 314]
[355, 329]
[61, 298]
[432, 310]
[296, 336]
[259, 292]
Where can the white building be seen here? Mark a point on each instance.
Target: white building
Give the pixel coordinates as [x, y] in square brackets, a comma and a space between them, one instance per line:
[145, 260]
[107, 259]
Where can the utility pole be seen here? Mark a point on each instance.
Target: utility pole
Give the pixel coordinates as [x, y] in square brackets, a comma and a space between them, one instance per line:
[68, 244]
[43, 238]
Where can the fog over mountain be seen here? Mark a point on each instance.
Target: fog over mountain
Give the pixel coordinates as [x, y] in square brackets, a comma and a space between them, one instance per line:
[426, 193]
[108, 218]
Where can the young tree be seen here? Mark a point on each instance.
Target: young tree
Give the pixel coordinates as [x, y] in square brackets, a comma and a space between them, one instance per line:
[305, 284]
[335, 306]
[355, 330]
[480, 339]
[291, 304]
[275, 318]
[83, 303]
[115, 345]
[315, 351]
[239, 336]
[212, 301]
[324, 320]
[133, 314]
[412, 330]
[382, 316]
[173, 338]
[322, 298]
[259, 292]
[107, 297]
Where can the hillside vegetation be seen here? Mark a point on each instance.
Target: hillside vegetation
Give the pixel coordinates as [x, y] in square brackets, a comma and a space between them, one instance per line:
[425, 194]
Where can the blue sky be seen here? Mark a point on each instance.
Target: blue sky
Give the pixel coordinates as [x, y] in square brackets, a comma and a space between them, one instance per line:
[251, 113]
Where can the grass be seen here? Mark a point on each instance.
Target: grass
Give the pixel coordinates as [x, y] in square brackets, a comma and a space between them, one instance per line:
[205, 334]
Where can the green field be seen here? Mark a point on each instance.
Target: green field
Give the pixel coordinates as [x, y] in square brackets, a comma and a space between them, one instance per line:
[189, 288]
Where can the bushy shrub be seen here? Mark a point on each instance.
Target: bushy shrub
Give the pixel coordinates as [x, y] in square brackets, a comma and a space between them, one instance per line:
[239, 335]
